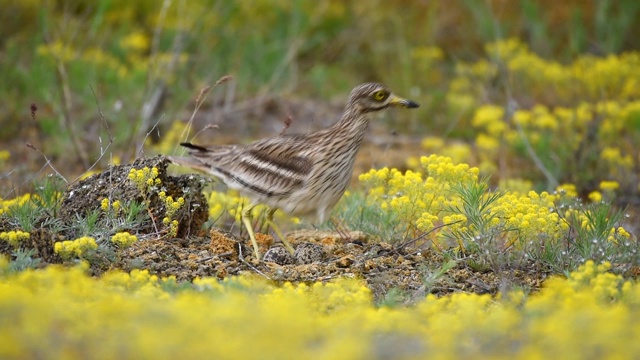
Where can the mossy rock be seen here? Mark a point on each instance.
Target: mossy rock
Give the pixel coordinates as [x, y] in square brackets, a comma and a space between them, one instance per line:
[84, 197]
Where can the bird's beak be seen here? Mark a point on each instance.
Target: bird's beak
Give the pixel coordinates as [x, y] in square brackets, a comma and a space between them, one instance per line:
[398, 101]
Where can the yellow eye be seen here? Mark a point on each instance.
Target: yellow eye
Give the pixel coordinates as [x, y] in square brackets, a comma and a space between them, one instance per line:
[379, 95]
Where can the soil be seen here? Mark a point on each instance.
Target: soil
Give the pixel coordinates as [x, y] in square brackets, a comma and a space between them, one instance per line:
[394, 272]
[407, 272]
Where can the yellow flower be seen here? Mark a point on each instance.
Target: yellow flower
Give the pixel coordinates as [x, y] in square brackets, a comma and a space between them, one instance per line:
[609, 185]
[487, 116]
[568, 189]
[487, 143]
[342, 313]
[104, 204]
[57, 50]
[595, 196]
[14, 237]
[4, 155]
[5, 205]
[623, 233]
[427, 53]
[432, 143]
[123, 239]
[144, 178]
[75, 248]
[137, 41]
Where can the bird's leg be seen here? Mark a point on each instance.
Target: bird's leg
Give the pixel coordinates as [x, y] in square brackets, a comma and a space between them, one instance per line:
[276, 229]
[246, 220]
[340, 229]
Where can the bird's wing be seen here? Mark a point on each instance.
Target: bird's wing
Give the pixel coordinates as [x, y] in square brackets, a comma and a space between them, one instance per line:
[288, 155]
[269, 168]
[275, 167]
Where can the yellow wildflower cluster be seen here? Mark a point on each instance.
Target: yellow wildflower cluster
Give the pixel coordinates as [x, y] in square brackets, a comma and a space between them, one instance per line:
[107, 206]
[136, 41]
[581, 218]
[172, 226]
[586, 222]
[57, 50]
[618, 233]
[433, 200]
[611, 77]
[443, 170]
[596, 221]
[590, 288]
[427, 53]
[123, 239]
[66, 52]
[137, 61]
[14, 237]
[75, 248]
[416, 200]
[568, 126]
[44, 313]
[595, 196]
[608, 187]
[613, 156]
[569, 119]
[531, 216]
[568, 190]
[459, 152]
[171, 207]
[5, 205]
[144, 178]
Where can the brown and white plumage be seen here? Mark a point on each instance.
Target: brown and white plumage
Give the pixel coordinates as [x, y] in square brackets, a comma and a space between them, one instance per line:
[304, 175]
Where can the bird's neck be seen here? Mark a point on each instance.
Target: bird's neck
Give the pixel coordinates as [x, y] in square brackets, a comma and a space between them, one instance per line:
[353, 122]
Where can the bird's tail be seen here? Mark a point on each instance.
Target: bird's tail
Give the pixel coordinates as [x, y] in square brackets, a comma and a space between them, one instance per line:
[205, 158]
[192, 147]
[190, 162]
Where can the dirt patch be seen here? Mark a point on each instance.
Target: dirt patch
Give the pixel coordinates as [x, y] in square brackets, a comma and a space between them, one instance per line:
[393, 272]
[404, 272]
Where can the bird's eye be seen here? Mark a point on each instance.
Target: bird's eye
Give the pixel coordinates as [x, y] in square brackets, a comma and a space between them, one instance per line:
[379, 95]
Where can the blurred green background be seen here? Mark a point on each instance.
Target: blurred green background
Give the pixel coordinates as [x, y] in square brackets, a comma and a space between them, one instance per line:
[114, 79]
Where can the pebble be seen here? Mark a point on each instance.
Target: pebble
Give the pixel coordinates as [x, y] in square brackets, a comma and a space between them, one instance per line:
[308, 253]
[279, 255]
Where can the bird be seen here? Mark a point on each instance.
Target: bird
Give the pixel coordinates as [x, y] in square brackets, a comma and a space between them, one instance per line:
[303, 175]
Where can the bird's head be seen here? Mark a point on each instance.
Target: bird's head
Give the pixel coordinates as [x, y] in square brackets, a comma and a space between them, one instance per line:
[371, 97]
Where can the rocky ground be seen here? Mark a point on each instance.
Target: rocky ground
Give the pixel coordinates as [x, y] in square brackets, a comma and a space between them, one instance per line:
[322, 256]
[404, 271]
